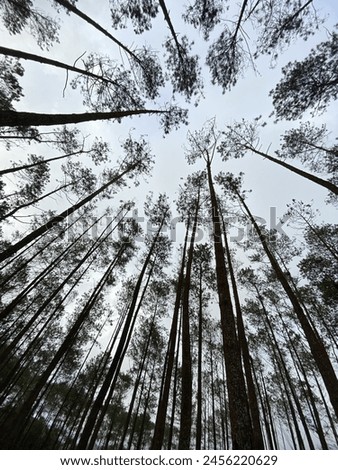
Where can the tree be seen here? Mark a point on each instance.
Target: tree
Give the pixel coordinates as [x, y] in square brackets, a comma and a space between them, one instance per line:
[169, 117]
[243, 136]
[10, 89]
[203, 145]
[20, 15]
[308, 84]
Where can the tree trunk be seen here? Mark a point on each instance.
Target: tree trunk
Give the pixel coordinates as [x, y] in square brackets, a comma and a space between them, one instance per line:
[315, 179]
[22, 118]
[41, 162]
[252, 396]
[241, 428]
[175, 387]
[158, 436]
[199, 365]
[68, 6]
[186, 393]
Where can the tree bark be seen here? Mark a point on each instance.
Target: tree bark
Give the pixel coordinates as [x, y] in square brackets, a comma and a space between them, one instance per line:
[158, 436]
[186, 399]
[241, 426]
[22, 118]
[258, 442]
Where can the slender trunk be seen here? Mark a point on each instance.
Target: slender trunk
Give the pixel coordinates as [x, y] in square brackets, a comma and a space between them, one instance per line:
[241, 428]
[14, 169]
[22, 118]
[158, 436]
[175, 391]
[212, 379]
[252, 396]
[238, 25]
[68, 6]
[199, 365]
[171, 27]
[226, 409]
[315, 179]
[186, 392]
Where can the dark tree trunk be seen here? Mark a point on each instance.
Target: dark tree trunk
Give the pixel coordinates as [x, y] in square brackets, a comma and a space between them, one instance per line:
[199, 365]
[31, 165]
[175, 387]
[22, 118]
[257, 442]
[68, 6]
[158, 436]
[315, 179]
[241, 427]
[186, 394]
